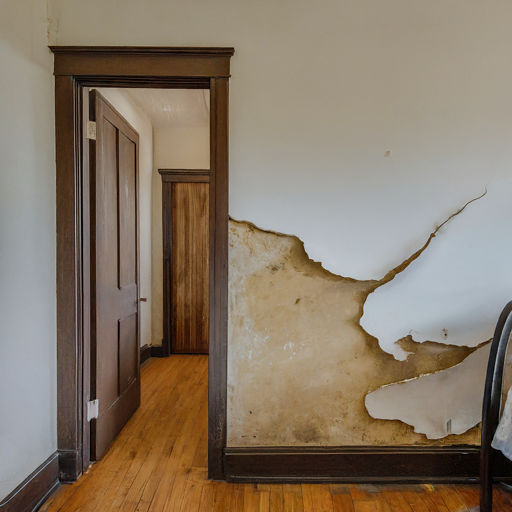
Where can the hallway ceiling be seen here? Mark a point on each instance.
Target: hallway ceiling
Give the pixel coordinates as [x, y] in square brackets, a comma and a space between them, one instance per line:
[173, 108]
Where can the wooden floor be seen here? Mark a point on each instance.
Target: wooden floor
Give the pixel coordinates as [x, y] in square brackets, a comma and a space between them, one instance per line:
[158, 464]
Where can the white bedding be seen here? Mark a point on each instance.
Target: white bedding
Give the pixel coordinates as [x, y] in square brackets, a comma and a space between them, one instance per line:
[503, 438]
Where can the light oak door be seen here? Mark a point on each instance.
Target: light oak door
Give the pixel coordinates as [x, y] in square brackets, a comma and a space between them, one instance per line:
[115, 379]
[189, 290]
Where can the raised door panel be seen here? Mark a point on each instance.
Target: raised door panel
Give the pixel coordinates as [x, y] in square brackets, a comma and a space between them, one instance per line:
[127, 351]
[127, 207]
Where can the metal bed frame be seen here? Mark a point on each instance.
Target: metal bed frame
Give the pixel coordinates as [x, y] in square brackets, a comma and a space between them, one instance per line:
[492, 404]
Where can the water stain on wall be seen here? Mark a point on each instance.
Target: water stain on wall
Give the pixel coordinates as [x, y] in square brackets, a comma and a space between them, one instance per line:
[300, 364]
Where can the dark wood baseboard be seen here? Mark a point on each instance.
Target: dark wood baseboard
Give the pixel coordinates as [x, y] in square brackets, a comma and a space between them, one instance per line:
[158, 352]
[145, 353]
[70, 465]
[358, 464]
[35, 489]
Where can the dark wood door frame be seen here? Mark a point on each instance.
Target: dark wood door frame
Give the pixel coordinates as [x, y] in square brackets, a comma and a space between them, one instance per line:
[76, 68]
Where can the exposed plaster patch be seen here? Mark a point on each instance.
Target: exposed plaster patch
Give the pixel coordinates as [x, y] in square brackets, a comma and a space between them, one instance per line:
[316, 396]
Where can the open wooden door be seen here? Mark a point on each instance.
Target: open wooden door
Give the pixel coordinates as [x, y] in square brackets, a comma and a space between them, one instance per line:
[115, 373]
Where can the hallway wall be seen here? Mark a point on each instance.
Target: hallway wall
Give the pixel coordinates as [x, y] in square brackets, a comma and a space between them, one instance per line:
[28, 417]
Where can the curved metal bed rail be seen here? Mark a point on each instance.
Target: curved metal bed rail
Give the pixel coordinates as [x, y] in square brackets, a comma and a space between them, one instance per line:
[492, 403]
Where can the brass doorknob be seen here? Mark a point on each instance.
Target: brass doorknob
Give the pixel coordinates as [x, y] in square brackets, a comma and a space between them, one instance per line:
[143, 299]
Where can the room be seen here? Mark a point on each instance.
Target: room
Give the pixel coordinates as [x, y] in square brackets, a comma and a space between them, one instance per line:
[369, 149]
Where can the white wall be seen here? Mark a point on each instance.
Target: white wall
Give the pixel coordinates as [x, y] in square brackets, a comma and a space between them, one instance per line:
[28, 369]
[174, 148]
[142, 125]
[320, 91]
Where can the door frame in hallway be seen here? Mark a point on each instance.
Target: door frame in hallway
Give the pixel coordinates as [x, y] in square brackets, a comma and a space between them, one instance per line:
[77, 68]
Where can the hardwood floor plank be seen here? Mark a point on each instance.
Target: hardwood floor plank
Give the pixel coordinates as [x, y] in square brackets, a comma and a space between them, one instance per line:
[396, 501]
[498, 488]
[292, 502]
[381, 503]
[59, 498]
[470, 494]
[499, 502]
[201, 457]
[452, 498]
[239, 493]
[222, 497]
[342, 502]
[207, 497]
[365, 506]
[358, 493]
[434, 501]
[276, 498]
[307, 497]
[230, 498]
[322, 499]
[415, 502]
[265, 504]
[251, 498]
[192, 496]
[339, 489]
[292, 488]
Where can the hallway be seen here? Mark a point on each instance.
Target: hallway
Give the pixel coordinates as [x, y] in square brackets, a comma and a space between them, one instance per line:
[158, 463]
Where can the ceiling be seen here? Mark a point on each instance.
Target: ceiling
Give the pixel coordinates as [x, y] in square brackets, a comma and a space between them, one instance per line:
[173, 108]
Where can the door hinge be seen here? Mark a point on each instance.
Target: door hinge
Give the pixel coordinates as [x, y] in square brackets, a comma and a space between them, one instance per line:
[91, 130]
[93, 409]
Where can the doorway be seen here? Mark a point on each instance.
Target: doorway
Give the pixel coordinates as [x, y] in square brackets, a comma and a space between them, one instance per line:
[76, 68]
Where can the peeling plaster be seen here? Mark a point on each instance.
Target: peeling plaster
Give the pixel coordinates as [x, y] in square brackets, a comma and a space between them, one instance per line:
[439, 404]
[454, 293]
[311, 392]
[390, 345]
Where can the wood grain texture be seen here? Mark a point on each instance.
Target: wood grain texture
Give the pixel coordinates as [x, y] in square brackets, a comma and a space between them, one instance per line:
[185, 175]
[146, 61]
[158, 464]
[190, 268]
[219, 261]
[69, 291]
[369, 464]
